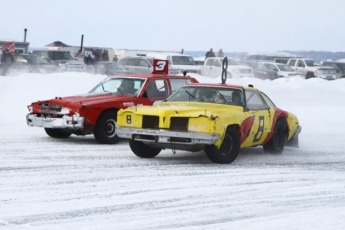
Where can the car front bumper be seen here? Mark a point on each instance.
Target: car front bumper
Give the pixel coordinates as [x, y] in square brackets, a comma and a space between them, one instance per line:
[65, 122]
[166, 136]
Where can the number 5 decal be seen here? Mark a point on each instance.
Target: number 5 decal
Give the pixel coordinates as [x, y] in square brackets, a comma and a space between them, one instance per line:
[260, 131]
[160, 65]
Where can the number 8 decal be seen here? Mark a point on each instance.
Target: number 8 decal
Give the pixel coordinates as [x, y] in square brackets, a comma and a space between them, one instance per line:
[260, 131]
[160, 66]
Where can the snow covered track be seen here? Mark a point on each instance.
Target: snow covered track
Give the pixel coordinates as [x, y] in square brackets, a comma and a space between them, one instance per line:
[77, 183]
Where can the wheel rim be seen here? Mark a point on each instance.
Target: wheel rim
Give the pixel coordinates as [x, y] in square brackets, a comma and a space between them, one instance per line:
[227, 145]
[110, 127]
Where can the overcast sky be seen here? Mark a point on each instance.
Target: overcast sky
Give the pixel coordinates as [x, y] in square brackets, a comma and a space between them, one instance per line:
[194, 25]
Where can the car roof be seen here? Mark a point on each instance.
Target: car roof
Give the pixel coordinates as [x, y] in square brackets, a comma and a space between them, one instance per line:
[220, 85]
[133, 75]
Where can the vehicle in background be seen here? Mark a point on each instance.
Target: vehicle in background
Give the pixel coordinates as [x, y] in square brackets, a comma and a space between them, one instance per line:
[200, 61]
[213, 68]
[80, 53]
[283, 70]
[38, 64]
[279, 57]
[95, 112]
[181, 62]
[310, 68]
[62, 59]
[110, 68]
[13, 65]
[143, 65]
[261, 71]
[338, 66]
[121, 53]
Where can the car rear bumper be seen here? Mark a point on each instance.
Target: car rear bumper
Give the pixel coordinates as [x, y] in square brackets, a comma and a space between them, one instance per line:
[166, 136]
[65, 122]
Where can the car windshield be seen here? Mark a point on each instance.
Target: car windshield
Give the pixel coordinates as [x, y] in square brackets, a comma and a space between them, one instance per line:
[312, 63]
[60, 55]
[204, 94]
[183, 60]
[122, 86]
[285, 68]
[33, 59]
[231, 61]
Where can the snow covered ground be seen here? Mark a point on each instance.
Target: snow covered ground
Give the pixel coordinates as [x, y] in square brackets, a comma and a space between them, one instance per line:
[79, 184]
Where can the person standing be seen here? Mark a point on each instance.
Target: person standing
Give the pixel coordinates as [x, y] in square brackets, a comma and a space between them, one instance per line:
[209, 53]
[220, 53]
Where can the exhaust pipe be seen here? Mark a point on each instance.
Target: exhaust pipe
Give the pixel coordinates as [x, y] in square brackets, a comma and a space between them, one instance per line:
[25, 31]
[81, 45]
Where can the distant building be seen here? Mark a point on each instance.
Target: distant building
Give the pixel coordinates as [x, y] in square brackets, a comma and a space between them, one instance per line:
[20, 47]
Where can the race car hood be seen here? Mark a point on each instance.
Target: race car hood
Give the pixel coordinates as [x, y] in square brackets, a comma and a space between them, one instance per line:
[87, 99]
[187, 109]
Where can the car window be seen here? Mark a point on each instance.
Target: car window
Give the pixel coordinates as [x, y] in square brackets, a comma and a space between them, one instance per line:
[123, 61]
[178, 83]
[268, 100]
[133, 62]
[156, 89]
[209, 62]
[143, 63]
[292, 62]
[254, 100]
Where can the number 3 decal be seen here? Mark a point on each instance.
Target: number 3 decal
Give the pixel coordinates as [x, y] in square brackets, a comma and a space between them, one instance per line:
[160, 66]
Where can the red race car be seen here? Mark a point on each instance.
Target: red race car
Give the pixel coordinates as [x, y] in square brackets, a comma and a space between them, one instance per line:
[95, 112]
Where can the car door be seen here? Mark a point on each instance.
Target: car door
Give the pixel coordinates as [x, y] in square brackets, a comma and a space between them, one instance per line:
[212, 68]
[258, 123]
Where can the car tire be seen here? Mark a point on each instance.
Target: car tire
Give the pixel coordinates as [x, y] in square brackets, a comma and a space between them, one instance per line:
[277, 142]
[142, 150]
[57, 133]
[104, 131]
[309, 75]
[228, 150]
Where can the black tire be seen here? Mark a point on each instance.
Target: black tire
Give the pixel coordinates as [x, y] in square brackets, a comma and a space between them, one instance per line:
[342, 76]
[104, 131]
[57, 133]
[142, 150]
[228, 150]
[309, 75]
[277, 142]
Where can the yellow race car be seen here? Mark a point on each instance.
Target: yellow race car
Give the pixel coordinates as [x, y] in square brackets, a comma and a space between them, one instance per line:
[217, 118]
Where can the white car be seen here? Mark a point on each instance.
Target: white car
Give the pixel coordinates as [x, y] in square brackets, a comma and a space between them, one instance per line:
[283, 70]
[213, 68]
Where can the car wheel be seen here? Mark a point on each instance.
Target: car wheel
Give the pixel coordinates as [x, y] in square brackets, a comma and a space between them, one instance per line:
[309, 75]
[142, 150]
[57, 133]
[104, 131]
[277, 141]
[342, 76]
[228, 150]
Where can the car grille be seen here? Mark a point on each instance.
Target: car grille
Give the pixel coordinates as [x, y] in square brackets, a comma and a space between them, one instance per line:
[51, 107]
[179, 123]
[150, 122]
[245, 71]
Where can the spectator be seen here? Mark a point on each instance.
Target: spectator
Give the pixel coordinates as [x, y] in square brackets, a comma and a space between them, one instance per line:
[209, 53]
[105, 56]
[220, 53]
[115, 59]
